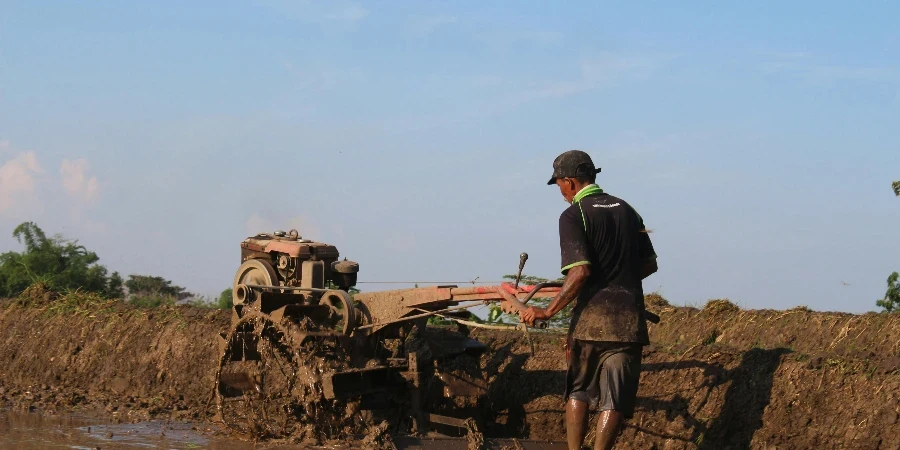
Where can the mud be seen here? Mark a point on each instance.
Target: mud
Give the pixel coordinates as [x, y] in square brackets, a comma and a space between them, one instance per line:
[715, 378]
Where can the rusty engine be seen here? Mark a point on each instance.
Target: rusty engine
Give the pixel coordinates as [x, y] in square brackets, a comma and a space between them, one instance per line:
[299, 340]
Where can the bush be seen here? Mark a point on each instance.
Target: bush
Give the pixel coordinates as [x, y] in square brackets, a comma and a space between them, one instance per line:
[891, 301]
[225, 299]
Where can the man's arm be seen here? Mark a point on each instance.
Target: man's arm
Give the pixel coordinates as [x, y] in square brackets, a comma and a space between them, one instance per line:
[575, 280]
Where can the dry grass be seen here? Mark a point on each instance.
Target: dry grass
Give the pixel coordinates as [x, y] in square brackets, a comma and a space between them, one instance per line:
[653, 299]
[720, 305]
[87, 304]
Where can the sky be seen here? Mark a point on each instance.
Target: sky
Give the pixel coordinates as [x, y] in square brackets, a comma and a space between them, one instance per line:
[758, 140]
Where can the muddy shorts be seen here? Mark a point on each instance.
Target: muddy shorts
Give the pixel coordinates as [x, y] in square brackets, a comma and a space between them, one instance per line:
[604, 374]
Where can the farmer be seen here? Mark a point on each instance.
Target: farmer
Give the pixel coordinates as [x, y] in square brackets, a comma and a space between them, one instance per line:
[606, 253]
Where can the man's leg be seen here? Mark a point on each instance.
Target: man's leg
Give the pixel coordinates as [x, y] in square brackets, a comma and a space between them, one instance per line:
[618, 391]
[608, 426]
[582, 389]
[576, 423]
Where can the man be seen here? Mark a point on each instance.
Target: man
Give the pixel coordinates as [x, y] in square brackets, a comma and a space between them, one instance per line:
[606, 253]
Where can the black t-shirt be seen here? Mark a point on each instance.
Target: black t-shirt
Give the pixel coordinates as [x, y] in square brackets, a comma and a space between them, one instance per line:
[607, 233]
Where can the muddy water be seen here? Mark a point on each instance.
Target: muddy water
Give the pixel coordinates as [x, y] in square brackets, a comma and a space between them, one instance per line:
[34, 431]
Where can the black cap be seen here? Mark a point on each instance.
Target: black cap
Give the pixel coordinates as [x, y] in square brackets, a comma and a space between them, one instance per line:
[573, 164]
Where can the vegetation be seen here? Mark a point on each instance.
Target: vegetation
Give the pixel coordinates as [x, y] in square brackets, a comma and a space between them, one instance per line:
[891, 301]
[62, 265]
[225, 299]
[560, 320]
[56, 262]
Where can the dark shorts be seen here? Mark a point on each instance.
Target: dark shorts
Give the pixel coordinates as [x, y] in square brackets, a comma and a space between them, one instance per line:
[604, 374]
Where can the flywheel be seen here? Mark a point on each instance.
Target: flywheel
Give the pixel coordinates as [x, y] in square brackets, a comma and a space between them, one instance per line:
[255, 272]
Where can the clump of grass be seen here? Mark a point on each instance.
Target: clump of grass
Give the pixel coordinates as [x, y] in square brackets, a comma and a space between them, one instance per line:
[654, 299]
[720, 305]
[80, 303]
[76, 302]
[802, 308]
[711, 338]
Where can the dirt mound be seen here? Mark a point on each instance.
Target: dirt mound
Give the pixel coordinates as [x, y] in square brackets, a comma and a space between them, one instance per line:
[716, 378]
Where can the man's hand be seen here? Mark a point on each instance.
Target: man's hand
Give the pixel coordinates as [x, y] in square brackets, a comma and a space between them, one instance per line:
[531, 314]
[575, 280]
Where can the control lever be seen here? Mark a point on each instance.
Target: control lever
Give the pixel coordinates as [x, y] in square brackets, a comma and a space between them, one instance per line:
[522, 258]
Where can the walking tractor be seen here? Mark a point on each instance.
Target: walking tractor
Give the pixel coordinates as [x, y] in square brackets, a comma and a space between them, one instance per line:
[304, 356]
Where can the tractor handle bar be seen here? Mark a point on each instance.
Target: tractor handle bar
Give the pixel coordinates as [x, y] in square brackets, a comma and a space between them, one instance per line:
[651, 317]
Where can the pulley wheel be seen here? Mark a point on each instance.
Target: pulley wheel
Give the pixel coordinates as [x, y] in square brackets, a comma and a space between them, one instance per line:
[342, 310]
[254, 271]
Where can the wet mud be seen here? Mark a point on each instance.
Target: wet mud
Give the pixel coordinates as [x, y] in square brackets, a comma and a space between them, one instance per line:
[713, 378]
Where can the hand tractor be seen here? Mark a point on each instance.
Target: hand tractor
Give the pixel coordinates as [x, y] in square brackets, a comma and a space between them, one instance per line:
[304, 356]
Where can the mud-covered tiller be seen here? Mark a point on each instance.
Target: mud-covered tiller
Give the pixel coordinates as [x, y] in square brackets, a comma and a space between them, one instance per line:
[300, 342]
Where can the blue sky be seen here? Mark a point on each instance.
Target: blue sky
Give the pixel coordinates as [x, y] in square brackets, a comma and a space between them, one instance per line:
[758, 140]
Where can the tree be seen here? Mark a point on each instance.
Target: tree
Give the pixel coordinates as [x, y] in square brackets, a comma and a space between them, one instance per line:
[153, 286]
[59, 263]
[891, 301]
[152, 291]
[225, 299]
[115, 286]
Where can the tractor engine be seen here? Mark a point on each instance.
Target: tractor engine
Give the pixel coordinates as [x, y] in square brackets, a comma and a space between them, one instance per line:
[286, 259]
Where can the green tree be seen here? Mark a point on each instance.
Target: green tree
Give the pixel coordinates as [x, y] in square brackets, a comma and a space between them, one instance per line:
[115, 286]
[891, 301]
[153, 286]
[225, 299]
[59, 263]
[152, 291]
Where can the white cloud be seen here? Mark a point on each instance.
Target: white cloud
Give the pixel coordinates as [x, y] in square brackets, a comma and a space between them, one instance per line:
[351, 13]
[75, 179]
[18, 179]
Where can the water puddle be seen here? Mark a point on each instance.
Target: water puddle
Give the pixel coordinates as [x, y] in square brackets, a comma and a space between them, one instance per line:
[27, 431]
[22, 430]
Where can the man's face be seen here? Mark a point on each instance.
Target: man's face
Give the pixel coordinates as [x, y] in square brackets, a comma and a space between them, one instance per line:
[567, 188]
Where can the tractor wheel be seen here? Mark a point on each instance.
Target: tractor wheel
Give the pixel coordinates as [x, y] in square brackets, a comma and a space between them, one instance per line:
[256, 380]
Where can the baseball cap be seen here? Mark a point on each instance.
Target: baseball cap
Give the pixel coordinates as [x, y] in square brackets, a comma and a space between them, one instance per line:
[573, 164]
